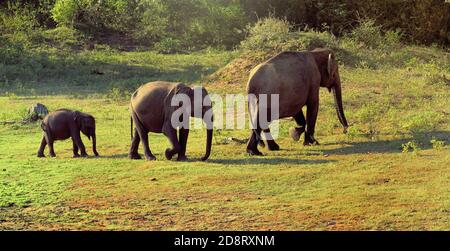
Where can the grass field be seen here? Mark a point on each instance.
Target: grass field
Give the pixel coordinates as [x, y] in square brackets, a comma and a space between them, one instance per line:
[363, 180]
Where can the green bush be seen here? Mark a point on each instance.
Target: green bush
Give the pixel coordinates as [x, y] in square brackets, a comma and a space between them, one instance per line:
[272, 34]
[152, 26]
[437, 144]
[369, 35]
[169, 45]
[95, 16]
[410, 146]
[267, 34]
[15, 19]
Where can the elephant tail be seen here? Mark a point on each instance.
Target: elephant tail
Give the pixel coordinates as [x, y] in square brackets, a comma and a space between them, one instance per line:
[131, 127]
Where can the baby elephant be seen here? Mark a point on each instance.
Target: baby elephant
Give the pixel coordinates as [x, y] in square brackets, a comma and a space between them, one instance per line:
[63, 124]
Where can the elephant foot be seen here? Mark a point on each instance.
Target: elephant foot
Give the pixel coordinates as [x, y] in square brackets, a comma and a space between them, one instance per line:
[150, 157]
[134, 156]
[40, 155]
[296, 132]
[84, 155]
[254, 152]
[96, 154]
[76, 156]
[52, 155]
[168, 154]
[309, 140]
[261, 143]
[182, 158]
[272, 146]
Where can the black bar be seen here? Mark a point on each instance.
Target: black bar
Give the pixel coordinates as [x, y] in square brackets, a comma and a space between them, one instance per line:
[224, 240]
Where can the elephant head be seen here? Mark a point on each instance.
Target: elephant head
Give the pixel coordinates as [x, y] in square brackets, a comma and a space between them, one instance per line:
[201, 107]
[86, 123]
[328, 67]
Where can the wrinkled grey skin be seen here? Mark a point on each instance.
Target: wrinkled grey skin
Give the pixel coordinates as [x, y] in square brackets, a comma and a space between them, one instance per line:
[151, 111]
[296, 77]
[63, 124]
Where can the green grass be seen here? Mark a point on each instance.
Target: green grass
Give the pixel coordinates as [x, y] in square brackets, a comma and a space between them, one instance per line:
[361, 180]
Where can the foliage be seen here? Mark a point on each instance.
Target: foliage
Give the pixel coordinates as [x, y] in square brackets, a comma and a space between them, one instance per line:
[437, 144]
[419, 21]
[370, 35]
[188, 25]
[410, 146]
[275, 35]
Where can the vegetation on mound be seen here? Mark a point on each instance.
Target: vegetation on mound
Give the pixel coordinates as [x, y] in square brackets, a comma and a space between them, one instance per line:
[367, 46]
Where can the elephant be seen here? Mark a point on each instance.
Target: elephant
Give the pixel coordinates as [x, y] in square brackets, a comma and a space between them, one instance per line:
[63, 124]
[296, 77]
[152, 110]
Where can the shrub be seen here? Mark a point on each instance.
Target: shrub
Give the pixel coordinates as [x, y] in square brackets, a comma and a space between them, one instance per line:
[15, 19]
[152, 26]
[267, 34]
[369, 35]
[169, 45]
[437, 144]
[95, 16]
[271, 34]
[410, 146]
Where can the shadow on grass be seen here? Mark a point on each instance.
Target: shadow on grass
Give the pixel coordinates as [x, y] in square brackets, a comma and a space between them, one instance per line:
[40, 73]
[233, 161]
[267, 161]
[389, 146]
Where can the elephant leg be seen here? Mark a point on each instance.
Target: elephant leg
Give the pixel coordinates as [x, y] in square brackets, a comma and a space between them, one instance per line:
[135, 146]
[148, 153]
[311, 117]
[183, 136]
[75, 150]
[40, 153]
[296, 132]
[271, 144]
[143, 136]
[171, 134]
[252, 145]
[49, 140]
[76, 139]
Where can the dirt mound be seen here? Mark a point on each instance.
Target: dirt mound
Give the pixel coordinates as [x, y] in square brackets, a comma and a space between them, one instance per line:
[237, 71]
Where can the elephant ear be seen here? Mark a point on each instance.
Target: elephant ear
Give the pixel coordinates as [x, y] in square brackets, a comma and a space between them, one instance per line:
[183, 89]
[331, 65]
[77, 118]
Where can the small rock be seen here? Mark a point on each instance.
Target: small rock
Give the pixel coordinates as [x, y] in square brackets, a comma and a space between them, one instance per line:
[154, 179]
[331, 223]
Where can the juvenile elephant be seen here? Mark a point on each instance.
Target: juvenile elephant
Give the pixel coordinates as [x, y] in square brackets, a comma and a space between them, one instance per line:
[63, 124]
[296, 77]
[153, 110]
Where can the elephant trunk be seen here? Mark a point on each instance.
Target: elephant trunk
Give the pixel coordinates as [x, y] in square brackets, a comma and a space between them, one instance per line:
[94, 144]
[209, 136]
[337, 91]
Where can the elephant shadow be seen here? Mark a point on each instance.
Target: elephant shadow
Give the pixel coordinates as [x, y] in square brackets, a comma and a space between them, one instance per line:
[268, 161]
[242, 161]
[388, 146]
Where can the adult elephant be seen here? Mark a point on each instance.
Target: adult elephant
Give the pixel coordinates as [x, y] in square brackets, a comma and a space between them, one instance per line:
[155, 107]
[296, 77]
